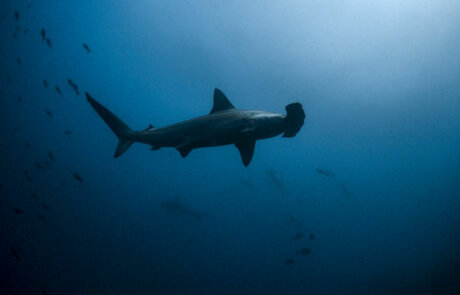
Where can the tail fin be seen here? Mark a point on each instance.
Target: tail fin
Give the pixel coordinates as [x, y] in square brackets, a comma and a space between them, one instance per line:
[294, 119]
[121, 130]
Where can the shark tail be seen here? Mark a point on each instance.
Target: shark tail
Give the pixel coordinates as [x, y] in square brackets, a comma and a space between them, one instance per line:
[122, 131]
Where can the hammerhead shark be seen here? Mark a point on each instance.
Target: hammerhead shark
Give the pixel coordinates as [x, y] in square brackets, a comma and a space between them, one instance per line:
[224, 125]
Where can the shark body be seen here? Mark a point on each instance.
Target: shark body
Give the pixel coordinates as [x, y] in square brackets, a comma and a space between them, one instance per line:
[224, 125]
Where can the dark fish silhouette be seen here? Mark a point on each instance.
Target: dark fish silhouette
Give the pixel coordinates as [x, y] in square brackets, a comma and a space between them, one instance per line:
[15, 253]
[48, 42]
[325, 172]
[19, 99]
[42, 218]
[8, 79]
[175, 206]
[51, 156]
[15, 35]
[35, 196]
[78, 177]
[16, 15]
[43, 33]
[29, 6]
[312, 237]
[86, 47]
[298, 236]
[26, 30]
[48, 112]
[38, 165]
[45, 205]
[18, 61]
[58, 90]
[18, 211]
[45, 83]
[47, 163]
[17, 28]
[74, 86]
[27, 175]
[289, 261]
[67, 132]
[27, 144]
[304, 251]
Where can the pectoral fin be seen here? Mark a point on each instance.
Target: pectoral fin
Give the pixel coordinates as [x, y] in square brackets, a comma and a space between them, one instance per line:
[246, 148]
[184, 148]
[184, 151]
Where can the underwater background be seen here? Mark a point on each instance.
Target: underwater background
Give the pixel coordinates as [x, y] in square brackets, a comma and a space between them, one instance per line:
[364, 200]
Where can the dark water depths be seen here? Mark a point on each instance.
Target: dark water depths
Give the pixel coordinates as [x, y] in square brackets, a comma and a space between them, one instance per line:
[364, 200]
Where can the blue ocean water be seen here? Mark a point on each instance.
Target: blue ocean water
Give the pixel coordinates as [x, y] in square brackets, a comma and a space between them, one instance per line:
[369, 188]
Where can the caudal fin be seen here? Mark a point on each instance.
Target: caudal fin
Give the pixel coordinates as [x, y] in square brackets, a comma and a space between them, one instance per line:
[121, 130]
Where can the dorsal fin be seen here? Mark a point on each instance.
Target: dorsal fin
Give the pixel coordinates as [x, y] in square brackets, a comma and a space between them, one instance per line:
[148, 128]
[221, 102]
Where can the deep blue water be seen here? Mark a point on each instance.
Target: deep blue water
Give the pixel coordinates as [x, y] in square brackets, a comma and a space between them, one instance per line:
[380, 85]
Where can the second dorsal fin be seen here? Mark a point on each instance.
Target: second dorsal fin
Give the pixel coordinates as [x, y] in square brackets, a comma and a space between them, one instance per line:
[221, 102]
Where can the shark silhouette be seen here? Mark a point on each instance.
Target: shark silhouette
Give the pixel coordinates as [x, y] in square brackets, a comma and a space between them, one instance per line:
[224, 125]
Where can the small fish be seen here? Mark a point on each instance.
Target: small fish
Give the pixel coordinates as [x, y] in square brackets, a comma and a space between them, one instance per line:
[43, 33]
[67, 132]
[15, 253]
[324, 172]
[27, 144]
[51, 156]
[48, 42]
[17, 28]
[15, 35]
[48, 112]
[312, 237]
[35, 196]
[45, 205]
[45, 83]
[18, 211]
[18, 61]
[27, 175]
[47, 163]
[86, 47]
[58, 90]
[78, 177]
[42, 218]
[29, 6]
[38, 165]
[16, 15]
[8, 79]
[289, 261]
[74, 86]
[298, 236]
[304, 251]
[19, 99]
[25, 31]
